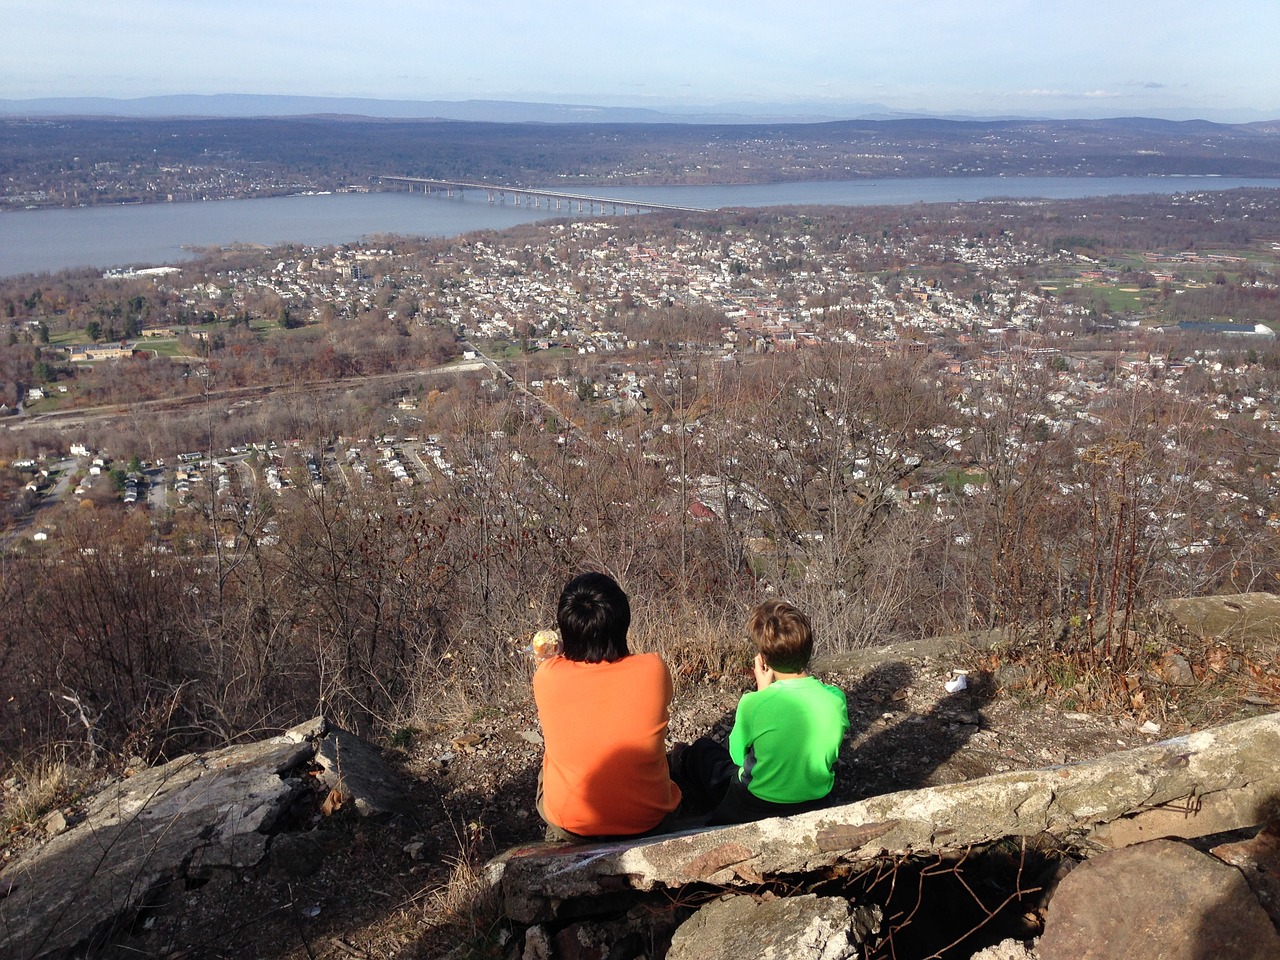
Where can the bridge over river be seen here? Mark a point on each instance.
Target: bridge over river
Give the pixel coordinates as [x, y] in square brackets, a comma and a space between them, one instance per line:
[555, 200]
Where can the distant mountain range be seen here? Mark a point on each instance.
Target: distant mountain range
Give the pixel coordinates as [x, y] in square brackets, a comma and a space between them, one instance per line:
[491, 111]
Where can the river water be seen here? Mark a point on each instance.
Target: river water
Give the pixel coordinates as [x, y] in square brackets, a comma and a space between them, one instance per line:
[33, 241]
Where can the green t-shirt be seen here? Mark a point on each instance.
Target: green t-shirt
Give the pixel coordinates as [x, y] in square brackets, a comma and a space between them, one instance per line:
[786, 737]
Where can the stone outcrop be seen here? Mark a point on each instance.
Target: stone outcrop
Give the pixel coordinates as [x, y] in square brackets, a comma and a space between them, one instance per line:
[1161, 900]
[183, 819]
[1202, 783]
[1247, 618]
[357, 772]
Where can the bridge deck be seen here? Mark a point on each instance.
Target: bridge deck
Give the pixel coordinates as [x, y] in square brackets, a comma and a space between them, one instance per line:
[495, 189]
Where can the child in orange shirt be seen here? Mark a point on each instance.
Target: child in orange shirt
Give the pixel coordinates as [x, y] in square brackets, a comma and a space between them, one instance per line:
[604, 715]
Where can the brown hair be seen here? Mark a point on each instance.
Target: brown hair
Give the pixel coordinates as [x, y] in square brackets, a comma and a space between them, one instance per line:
[783, 634]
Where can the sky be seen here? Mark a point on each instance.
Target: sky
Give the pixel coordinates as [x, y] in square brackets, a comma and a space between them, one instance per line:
[1064, 58]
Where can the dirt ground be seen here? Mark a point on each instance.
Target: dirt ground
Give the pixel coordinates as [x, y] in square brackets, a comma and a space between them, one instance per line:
[338, 886]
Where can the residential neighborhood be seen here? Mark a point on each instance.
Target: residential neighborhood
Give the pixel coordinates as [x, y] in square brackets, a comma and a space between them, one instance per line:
[607, 340]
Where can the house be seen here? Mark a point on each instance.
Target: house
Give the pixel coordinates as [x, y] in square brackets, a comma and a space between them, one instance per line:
[1229, 329]
[81, 353]
[700, 511]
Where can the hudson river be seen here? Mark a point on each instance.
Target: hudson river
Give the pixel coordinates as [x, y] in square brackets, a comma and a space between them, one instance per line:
[32, 241]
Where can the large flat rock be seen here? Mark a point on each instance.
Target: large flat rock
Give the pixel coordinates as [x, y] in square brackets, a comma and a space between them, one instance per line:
[183, 819]
[1184, 773]
[140, 833]
[1252, 619]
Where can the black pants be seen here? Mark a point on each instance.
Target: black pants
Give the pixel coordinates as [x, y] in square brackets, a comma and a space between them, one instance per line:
[708, 778]
[678, 819]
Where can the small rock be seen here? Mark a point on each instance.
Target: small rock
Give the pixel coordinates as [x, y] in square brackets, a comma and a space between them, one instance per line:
[310, 730]
[1011, 676]
[414, 849]
[54, 822]
[800, 928]
[867, 921]
[1006, 950]
[1176, 671]
[581, 941]
[357, 770]
[537, 946]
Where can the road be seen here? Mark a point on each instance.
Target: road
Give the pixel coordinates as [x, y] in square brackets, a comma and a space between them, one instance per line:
[78, 417]
[500, 374]
[24, 526]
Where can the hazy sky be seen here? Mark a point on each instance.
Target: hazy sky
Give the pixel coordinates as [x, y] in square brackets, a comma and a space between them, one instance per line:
[1216, 59]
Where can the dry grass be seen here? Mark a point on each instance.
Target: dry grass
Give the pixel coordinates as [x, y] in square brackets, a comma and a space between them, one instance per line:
[468, 682]
[1170, 678]
[466, 905]
[477, 677]
[698, 645]
[29, 791]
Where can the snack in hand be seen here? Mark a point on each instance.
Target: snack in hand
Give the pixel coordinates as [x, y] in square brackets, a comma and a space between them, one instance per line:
[546, 644]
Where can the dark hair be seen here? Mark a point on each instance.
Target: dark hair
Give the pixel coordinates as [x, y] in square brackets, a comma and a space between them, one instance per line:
[783, 634]
[594, 617]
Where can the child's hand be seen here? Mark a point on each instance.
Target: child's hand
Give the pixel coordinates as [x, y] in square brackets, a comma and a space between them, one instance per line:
[764, 673]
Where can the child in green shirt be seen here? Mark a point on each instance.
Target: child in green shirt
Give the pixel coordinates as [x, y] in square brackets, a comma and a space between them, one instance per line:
[786, 735]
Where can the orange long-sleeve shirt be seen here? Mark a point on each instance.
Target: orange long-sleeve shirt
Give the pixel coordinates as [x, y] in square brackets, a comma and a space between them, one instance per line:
[605, 770]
